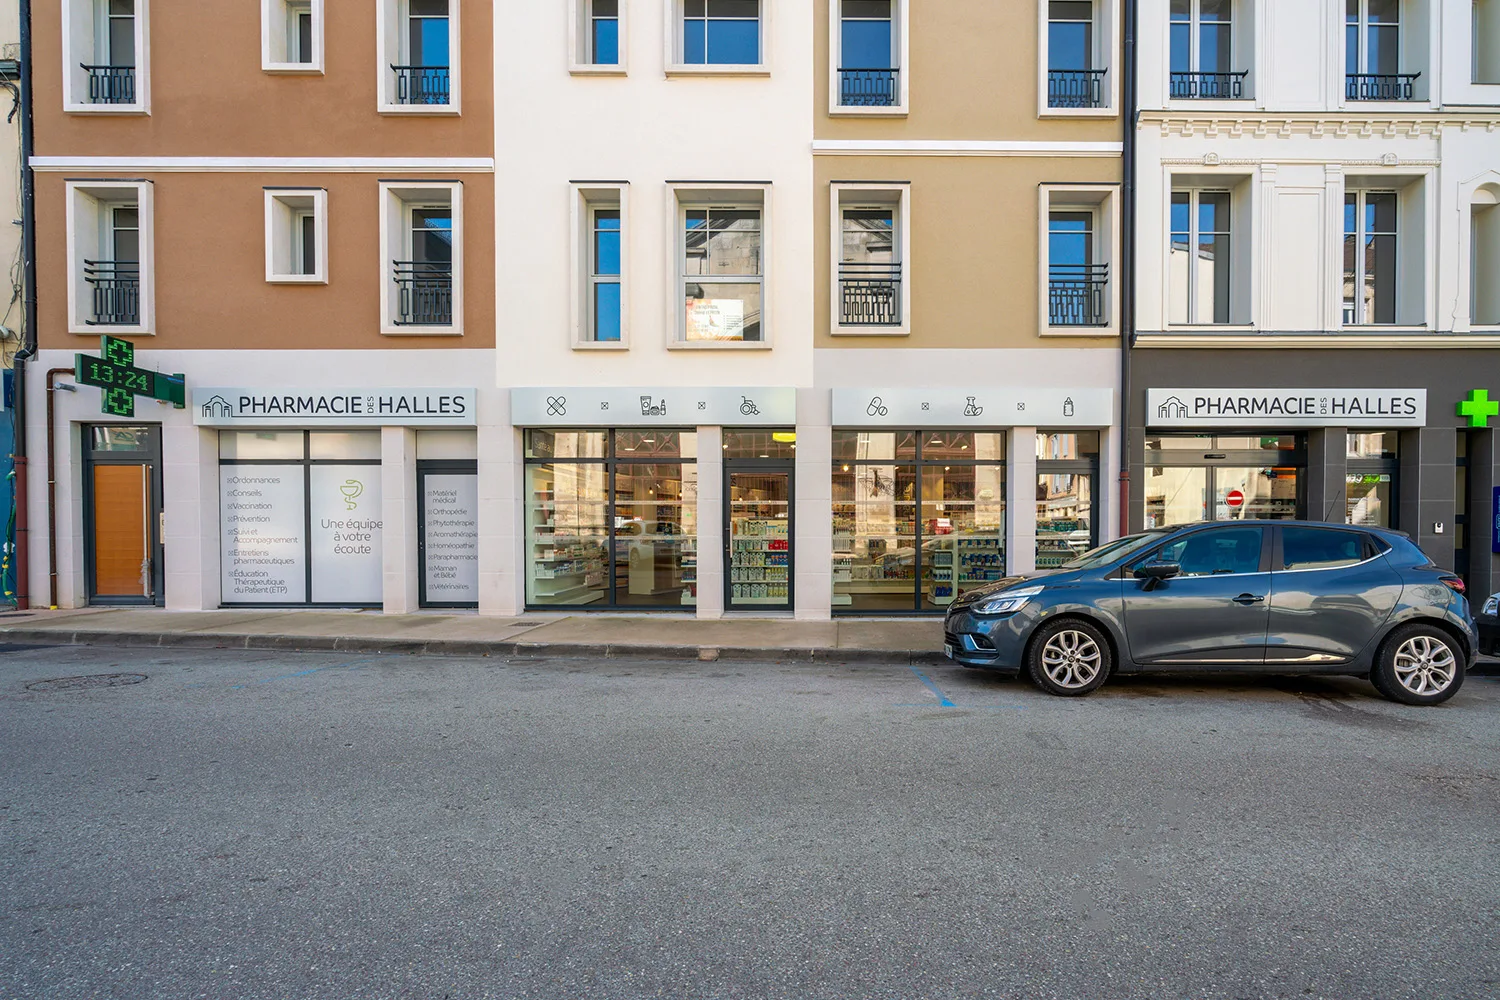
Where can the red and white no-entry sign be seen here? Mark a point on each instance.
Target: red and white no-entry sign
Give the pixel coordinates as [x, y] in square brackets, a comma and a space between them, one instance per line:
[1234, 498]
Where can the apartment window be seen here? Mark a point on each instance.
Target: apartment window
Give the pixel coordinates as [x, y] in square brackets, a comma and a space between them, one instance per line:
[604, 275]
[1370, 248]
[872, 279]
[1072, 79]
[422, 242]
[419, 46]
[296, 235]
[719, 32]
[722, 268]
[110, 253]
[1372, 52]
[1484, 257]
[1075, 282]
[104, 55]
[604, 32]
[1200, 258]
[1487, 41]
[292, 36]
[867, 58]
[600, 307]
[1202, 51]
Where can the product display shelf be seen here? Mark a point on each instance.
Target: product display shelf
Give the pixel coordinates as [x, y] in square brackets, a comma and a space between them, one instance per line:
[563, 570]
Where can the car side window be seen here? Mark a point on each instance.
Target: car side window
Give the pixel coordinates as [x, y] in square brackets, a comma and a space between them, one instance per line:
[1320, 548]
[1216, 551]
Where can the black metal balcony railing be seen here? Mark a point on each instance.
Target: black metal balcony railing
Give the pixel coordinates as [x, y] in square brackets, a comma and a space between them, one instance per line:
[1075, 88]
[1075, 294]
[1209, 86]
[421, 84]
[869, 88]
[1380, 86]
[116, 291]
[110, 84]
[424, 293]
[870, 294]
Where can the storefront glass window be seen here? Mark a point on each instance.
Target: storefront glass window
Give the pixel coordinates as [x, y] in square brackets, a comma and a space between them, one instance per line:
[1067, 462]
[1229, 477]
[344, 444]
[918, 517]
[1370, 479]
[609, 525]
[760, 444]
[1175, 496]
[1372, 444]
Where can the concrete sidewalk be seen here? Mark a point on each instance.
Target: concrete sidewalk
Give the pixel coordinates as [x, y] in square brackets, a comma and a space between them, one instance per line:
[910, 640]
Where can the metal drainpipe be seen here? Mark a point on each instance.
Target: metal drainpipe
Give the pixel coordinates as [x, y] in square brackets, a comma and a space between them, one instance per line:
[28, 345]
[52, 389]
[1127, 268]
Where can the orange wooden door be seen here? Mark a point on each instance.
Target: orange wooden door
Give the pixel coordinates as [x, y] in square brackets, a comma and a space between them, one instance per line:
[122, 530]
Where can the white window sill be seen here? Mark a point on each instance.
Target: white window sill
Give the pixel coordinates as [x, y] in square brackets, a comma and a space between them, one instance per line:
[106, 109]
[904, 330]
[122, 331]
[1188, 105]
[1385, 107]
[1105, 112]
[719, 345]
[881, 111]
[421, 331]
[1210, 328]
[297, 279]
[292, 69]
[593, 69]
[419, 109]
[683, 69]
[1380, 328]
[1090, 332]
[601, 345]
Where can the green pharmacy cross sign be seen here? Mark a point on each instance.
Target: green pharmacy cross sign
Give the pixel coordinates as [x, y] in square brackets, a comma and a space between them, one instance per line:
[1479, 407]
[122, 381]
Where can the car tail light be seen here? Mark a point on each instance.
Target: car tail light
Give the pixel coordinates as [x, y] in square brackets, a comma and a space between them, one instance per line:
[1454, 583]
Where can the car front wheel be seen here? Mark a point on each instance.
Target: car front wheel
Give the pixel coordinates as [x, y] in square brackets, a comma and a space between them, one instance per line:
[1419, 665]
[1069, 658]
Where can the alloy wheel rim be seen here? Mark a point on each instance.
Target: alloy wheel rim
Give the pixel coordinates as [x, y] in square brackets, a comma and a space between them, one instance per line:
[1425, 665]
[1072, 659]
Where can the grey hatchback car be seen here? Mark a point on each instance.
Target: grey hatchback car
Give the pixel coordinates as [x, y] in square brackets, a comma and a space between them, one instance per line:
[1272, 596]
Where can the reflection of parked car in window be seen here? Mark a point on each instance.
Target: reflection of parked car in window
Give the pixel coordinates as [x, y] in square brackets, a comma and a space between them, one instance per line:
[1285, 596]
[1489, 626]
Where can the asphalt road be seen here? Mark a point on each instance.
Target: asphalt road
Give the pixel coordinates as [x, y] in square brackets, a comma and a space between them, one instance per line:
[273, 825]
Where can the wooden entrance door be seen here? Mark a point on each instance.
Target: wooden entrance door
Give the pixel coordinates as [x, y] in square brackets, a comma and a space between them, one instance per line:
[122, 515]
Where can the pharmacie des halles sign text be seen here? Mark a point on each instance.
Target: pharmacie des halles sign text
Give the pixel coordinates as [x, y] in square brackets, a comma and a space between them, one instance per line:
[1270, 408]
[443, 407]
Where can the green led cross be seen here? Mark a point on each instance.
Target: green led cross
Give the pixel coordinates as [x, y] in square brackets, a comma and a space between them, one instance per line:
[115, 373]
[1479, 407]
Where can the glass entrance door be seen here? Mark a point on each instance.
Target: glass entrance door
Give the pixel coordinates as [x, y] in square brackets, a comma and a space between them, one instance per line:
[759, 563]
[1064, 518]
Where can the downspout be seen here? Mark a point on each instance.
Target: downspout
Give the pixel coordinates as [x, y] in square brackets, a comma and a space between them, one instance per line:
[1127, 262]
[28, 343]
[52, 390]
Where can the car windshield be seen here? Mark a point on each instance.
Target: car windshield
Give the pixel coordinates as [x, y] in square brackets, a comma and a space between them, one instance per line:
[1117, 549]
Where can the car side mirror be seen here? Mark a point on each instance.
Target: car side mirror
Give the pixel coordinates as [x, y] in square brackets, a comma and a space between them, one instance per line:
[1155, 572]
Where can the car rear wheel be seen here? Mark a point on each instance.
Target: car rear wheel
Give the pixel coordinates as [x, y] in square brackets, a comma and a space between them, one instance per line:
[1069, 658]
[1419, 665]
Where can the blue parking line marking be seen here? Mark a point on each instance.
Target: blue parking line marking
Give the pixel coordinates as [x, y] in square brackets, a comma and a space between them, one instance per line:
[942, 698]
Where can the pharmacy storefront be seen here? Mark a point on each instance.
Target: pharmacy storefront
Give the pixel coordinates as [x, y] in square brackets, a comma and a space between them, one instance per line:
[302, 476]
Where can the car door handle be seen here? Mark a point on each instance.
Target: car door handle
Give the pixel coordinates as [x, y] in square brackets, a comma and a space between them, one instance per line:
[1248, 599]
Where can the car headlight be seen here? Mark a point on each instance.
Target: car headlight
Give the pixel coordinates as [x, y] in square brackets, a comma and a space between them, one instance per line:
[1492, 606]
[1006, 602]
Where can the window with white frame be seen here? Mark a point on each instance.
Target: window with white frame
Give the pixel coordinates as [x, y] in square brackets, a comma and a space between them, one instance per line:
[421, 244]
[104, 55]
[292, 36]
[1200, 257]
[1484, 257]
[1073, 79]
[719, 33]
[296, 235]
[419, 50]
[721, 267]
[1078, 234]
[872, 246]
[1203, 53]
[600, 305]
[1486, 23]
[109, 257]
[1373, 56]
[1370, 249]
[869, 40]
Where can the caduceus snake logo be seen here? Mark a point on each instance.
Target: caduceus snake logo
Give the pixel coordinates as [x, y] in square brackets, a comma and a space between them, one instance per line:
[351, 489]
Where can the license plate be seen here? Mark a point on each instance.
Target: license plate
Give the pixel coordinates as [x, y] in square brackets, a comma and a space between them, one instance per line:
[948, 650]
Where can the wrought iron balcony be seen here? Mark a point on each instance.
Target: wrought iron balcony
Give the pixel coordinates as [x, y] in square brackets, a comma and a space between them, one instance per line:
[1209, 86]
[1380, 86]
[421, 84]
[1075, 88]
[116, 286]
[869, 88]
[870, 294]
[1075, 294]
[110, 84]
[424, 293]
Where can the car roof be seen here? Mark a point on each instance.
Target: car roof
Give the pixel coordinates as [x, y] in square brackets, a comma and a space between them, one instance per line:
[1391, 532]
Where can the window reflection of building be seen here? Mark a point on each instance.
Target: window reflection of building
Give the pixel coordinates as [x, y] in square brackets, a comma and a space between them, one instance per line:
[1067, 464]
[1226, 477]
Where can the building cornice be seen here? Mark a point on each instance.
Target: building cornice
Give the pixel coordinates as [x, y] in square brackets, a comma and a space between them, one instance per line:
[1365, 125]
[267, 164]
[963, 147]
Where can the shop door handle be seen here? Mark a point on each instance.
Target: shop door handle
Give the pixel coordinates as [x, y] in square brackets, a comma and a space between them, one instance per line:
[1248, 599]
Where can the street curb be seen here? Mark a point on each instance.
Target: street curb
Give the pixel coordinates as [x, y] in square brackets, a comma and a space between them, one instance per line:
[513, 648]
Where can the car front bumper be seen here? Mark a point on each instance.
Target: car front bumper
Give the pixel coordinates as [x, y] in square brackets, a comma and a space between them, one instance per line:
[989, 641]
